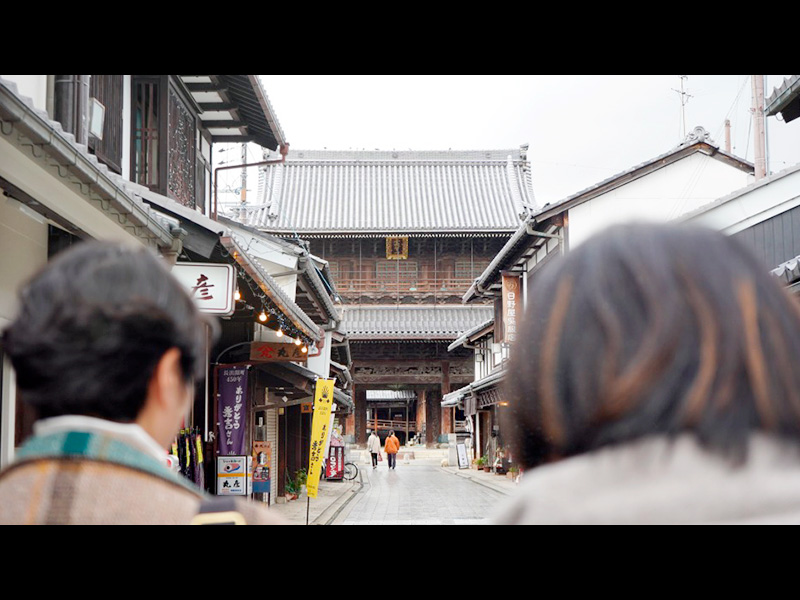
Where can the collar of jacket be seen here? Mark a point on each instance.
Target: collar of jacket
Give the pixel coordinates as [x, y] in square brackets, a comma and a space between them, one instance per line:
[80, 445]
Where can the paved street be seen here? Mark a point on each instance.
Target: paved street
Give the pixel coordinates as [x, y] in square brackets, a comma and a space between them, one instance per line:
[418, 493]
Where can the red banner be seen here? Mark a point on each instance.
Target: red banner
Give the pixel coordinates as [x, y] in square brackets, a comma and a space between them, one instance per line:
[334, 469]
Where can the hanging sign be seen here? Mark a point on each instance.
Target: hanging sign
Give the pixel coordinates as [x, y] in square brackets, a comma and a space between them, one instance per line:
[396, 248]
[212, 286]
[231, 401]
[511, 307]
[277, 352]
[320, 423]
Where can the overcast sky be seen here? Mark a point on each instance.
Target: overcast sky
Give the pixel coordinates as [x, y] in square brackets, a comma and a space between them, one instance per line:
[580, 129]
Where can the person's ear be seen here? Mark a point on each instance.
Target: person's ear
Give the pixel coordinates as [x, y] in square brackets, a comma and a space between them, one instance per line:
[167, 382]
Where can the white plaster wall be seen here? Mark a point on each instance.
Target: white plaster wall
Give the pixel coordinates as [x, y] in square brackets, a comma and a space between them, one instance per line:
[32, 86]
[762, 202]
[288, 283]
[61, 197]
[23, 251]
[663, 195]
[321, 365]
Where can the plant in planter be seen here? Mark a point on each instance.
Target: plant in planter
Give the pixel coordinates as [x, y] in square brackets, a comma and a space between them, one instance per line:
[485, 464]
[294, 485]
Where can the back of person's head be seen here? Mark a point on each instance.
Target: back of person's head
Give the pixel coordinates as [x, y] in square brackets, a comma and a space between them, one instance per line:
[93, 324]
[653, 330]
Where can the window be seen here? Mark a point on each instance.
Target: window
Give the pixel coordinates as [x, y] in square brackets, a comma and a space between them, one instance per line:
[107, 90]
[394, 272]
[146, 127]
[164, 140]
[470, 269]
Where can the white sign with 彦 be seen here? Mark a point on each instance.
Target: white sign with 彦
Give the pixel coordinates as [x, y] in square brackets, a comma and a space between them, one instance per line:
[212, 286]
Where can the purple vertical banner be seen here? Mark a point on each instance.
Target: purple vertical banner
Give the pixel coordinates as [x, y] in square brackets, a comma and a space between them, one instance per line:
[231, 409]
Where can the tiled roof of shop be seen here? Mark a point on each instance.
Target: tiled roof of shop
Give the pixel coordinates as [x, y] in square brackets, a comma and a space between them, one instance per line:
[441, 322]
[349, 193]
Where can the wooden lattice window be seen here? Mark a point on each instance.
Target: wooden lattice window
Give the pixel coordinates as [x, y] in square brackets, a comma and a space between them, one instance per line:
[164, 139]
[107, 89]
[146, 129]
[333, 267]
[403, 272]
[470, 269]
[181, 131]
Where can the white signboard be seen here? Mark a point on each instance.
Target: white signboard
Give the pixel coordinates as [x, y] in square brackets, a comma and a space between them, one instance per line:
[232, 476]
[463, 461]
[212, 286]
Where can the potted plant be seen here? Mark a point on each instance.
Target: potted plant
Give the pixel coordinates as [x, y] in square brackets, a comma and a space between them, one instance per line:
[292, 487]
[485, 464]
[300, 479]
[479, 462]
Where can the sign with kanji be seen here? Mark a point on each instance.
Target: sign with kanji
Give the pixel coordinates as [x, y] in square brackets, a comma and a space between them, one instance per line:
[396, 248]
[320, 422]
[277, 352]
[334, 468]
[511, 307]
[232, 476]
[262, 461]
[231, 404]
[212, 286]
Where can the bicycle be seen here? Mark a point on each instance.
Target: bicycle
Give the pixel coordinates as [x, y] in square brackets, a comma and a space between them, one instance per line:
[350, 471]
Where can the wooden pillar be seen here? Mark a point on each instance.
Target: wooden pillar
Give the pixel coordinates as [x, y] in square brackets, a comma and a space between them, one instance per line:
[446, 413]
[360, 410]
[433, 421]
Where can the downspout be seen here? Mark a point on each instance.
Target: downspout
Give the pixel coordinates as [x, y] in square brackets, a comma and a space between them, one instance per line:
[284, 150]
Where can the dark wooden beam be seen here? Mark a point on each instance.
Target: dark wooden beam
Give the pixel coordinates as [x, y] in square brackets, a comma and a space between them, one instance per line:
[217, 106]
[223, 123]
[205, 87]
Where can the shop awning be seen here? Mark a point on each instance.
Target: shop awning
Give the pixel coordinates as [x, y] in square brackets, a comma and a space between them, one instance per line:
[480, 394]
[298, 320]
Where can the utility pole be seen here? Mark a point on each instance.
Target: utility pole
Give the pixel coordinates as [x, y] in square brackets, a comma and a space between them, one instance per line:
[243, 194]
[759, 126]
[684, 101]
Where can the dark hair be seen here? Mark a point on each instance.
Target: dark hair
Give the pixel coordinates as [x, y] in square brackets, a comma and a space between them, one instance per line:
[93, 324]
[653, 329]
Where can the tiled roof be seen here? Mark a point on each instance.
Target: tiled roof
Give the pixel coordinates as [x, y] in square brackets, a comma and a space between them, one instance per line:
[350, 193]
[442, 322]
[391, 395]
[696, 141]
[782, 99]
[47, 142]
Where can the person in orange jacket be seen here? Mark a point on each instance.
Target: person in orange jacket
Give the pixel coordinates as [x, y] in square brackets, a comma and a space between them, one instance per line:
[391, 446]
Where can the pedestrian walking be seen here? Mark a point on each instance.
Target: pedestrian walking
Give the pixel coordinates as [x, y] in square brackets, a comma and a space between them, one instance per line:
[392, 447]
[374, 448]
[655, 381]
[107, 347]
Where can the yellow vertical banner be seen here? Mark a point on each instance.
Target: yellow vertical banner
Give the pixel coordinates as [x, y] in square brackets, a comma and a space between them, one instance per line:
[320, 421]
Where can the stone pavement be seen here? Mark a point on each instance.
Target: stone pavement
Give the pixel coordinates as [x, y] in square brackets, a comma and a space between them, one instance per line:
[333, 496]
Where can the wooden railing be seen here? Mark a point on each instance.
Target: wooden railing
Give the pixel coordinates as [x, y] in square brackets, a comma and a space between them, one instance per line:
[375, 287]
[397, 425]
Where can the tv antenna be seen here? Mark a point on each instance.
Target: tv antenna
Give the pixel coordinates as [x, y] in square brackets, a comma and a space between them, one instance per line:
[684, 101]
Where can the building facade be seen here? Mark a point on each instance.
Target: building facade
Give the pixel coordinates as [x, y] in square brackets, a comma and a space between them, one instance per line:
[129, 158]
[404, 234]
[690, 176]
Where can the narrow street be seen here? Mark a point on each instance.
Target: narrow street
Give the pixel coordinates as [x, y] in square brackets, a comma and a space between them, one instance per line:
[420, 493]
